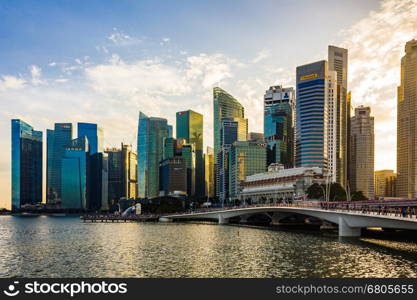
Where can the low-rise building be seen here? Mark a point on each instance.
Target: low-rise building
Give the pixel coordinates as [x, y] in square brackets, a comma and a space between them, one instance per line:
[280, 184]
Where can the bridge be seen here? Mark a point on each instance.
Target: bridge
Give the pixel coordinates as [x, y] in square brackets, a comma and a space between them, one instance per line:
[350, 218]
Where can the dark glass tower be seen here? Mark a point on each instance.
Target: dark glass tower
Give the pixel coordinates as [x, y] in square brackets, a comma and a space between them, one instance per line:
[75, 175]
[57, 140]
[190, 128]
[151, 135]
[26, 164]
[279, 104]
[94, 135]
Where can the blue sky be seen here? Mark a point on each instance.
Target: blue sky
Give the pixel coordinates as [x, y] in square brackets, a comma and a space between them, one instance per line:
[103, 61]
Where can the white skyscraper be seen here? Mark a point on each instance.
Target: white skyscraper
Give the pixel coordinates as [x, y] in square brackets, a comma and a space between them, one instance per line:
[332, 126]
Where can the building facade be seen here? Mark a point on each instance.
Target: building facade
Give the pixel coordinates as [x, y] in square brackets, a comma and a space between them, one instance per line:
[312, 115]
[245, 159]
[407, 124]
[209, 173]
[362, 152]
[94, 135]
[151, 134]
[256, 136]
[26, 164]
[190, 127]
[75, 175]
[173, 178]
[280, 184]
[338, 62]
[332, 138]
[381, 182]
[279, 108]
[57, 141]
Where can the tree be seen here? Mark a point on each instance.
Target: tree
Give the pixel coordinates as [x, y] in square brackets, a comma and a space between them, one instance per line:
[337, 192]
[358, 196]
[315, 191]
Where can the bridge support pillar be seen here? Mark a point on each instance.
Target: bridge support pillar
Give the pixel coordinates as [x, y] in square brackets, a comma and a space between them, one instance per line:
[222, 220]
[346, 230]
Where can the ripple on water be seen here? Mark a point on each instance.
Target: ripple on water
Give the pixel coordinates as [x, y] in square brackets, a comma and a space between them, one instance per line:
[65, 247]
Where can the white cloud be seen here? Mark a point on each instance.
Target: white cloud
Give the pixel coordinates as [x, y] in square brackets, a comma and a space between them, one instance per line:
[376, 44]
[261, 55]
[11, 82]
[36, 73]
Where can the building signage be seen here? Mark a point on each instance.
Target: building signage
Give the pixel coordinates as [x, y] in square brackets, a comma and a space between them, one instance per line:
[309, 76]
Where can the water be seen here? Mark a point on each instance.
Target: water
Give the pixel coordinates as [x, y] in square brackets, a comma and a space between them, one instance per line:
[66, 247]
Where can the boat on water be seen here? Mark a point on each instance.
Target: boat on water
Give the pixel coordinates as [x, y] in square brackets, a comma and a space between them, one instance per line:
[26, 214]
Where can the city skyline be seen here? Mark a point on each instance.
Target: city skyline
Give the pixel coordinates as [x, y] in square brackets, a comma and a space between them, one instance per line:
[209, 69]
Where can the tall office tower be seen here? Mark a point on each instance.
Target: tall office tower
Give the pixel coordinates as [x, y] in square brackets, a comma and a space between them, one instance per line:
[98, 181]
[209, 172]
[26, 164]
[380, 182]
[57, 140]
[256, 136]
[75, 175]
[151, 134]
[362, 152]
[224, 106]
[407, 124]
[49, 152]
[279, 104]
[312, 115]
[173, 178]
[170, 130]
[229, 132]
[190, 128]
[332, 126]
[245, 158]
[338, 61]
[94, 135]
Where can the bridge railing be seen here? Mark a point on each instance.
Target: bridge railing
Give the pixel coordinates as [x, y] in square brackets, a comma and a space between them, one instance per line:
[361, 208]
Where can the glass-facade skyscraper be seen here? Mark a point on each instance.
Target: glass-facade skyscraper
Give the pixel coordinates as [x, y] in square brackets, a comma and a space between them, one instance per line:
[75, 175]
[26, 164]
[94, 135]
[190, 127]
[57, 140]
[311, 117]
[245, 158]
[151, 134]
[224, 106]
[279, 109]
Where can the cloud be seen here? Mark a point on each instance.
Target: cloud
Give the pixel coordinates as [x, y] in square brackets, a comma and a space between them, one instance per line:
[36, 73]
[376, 45]
[121, 39]
[11, 82]
[261, 55]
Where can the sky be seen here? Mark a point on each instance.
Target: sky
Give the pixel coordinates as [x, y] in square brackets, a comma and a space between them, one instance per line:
[103, 62]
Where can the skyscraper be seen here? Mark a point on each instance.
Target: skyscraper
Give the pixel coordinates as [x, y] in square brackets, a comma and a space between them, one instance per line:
[173, 176]
[225, 105]
[407, 124]
[57, 141]
[362, 152]
[338, 61]
[245, 158]
[94, 135]
[332, 138]
[75, 175]
[312, 115]
[26, 164]
[229, 132]
[151, 134]
[209, 172]
[279, 106]
[190, 127]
